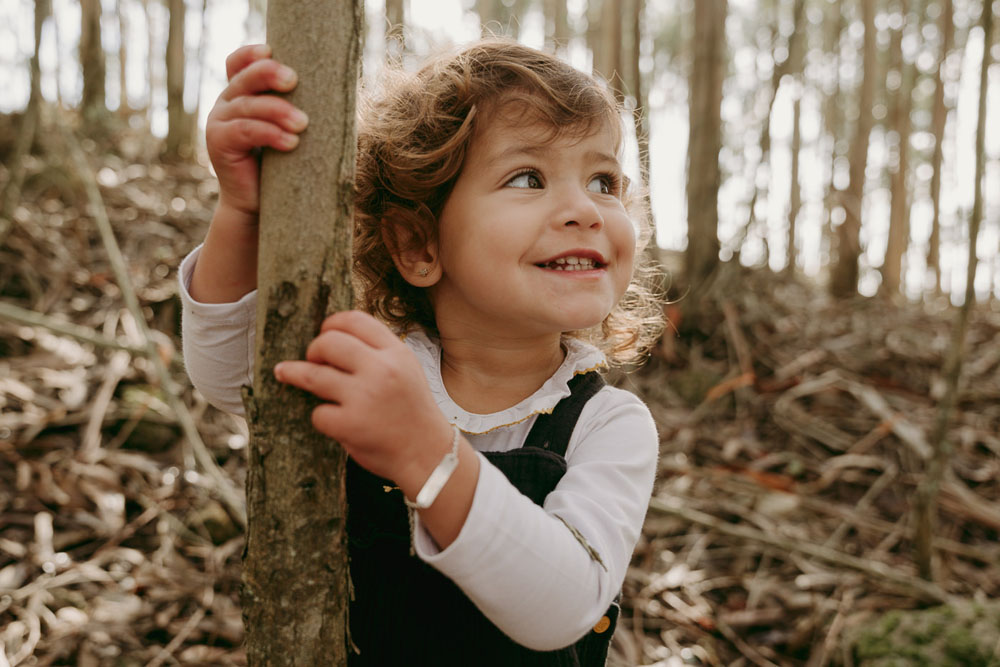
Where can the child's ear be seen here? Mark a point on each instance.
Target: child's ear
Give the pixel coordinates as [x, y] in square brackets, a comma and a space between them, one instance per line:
[418, 264]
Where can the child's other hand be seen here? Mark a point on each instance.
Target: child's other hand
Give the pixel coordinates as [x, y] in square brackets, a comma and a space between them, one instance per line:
[380, 407]
[244, 118]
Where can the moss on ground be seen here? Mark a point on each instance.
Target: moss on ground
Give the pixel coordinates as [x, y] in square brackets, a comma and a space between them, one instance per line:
[965, 634]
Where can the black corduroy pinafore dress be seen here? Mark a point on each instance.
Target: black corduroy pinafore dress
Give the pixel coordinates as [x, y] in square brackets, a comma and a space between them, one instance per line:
[404, 612]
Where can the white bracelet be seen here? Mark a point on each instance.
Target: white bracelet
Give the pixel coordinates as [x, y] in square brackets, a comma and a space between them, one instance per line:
[442, 473]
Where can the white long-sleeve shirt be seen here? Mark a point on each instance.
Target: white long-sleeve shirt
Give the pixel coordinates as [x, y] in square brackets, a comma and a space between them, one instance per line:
[519, 563]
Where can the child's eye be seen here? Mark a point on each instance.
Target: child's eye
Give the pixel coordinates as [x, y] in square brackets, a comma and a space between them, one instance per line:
[605, 184]
[526, 179]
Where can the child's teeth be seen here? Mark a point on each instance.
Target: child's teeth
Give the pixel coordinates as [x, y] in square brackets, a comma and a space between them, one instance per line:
[572, 264]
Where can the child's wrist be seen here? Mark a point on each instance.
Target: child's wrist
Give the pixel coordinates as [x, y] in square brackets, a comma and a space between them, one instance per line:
[231, 214]
[426, 458]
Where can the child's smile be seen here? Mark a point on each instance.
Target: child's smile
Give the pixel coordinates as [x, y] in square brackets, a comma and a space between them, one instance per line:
[534, 238]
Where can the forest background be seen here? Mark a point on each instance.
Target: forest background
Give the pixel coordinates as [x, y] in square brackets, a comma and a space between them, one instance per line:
[823, 176]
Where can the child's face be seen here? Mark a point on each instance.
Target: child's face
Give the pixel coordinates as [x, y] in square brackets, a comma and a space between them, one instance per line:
[534, 238]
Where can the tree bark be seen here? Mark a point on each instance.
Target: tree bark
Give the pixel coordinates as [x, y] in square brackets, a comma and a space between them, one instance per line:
[178, 142]
[946, 29]
[295, 580]
[708, 71]
[925, 502]
[844, 275]
[92, 61]
[902, 75]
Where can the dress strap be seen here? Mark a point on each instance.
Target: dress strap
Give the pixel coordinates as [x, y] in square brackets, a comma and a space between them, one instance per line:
[552, 431]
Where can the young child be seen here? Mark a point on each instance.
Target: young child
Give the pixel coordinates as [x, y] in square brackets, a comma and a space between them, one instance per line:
[494, 256]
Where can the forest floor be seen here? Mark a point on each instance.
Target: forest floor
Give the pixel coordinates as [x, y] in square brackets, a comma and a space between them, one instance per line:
[794, 435]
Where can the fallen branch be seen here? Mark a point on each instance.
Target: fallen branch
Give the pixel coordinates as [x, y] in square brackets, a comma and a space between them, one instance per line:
[205, 459]
[874, 569]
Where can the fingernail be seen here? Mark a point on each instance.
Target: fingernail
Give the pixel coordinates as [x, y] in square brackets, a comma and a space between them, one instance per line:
[299, 120]
[286, 75]
[290, 141]
[262, 50]
[279, 370]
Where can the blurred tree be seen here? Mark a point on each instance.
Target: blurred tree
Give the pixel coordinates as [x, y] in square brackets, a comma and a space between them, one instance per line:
[608, 47]
[899, 81]
[833, 116]
[123, 40]
[92, 61]
[180, 132]
[946, 34]
[395, 26]
[150, 60]
[795, 187]
[557, 30]
[925, 501]
[295, 592]
[500, 17]
[790, 64]
[11, 193]
[844, 273]
[708, 70]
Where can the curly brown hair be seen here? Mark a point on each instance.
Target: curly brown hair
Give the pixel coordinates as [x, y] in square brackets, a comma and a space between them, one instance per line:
[413, 135]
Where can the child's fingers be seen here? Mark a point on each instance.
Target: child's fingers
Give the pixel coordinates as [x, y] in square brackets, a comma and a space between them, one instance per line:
[363, 326]
[243, 56]
[263, 107]
[338, 349]
[258, 77]
[241, 135]
[325, 382]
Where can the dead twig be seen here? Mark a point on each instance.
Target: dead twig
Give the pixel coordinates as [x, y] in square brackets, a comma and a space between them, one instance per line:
[224, 486]
[876, 570]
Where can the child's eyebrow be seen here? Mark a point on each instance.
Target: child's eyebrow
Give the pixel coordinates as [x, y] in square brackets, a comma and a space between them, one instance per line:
[536, 151]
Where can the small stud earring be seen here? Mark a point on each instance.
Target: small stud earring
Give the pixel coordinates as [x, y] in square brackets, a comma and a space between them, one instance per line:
[423, 272]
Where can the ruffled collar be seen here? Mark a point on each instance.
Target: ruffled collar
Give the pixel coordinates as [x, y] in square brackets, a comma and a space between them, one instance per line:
[580, 358]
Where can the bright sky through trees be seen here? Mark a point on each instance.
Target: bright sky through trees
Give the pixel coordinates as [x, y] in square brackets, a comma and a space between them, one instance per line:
[436, 22]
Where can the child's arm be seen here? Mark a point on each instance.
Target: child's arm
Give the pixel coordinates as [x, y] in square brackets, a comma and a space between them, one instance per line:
[243, 119]
[523, 565]
[219, 278]
[543, 575]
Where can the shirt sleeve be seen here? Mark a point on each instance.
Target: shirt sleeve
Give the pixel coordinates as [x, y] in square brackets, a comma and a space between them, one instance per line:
[545, 575]
[218, 342]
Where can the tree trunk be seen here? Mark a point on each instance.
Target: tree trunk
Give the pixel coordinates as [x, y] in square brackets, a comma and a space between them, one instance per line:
[123, 38]
[925, 505]
[791, 64]
[557, 32]
[795, 195]
[946, 28]
[608, 61]
[11, 192]
[492, 17]
[901, 76]
[295, 580]
[150, 60]
[178, 143]
[395, 24]
[92, 61]
[708, 71]
[844, 276]
[832, 123]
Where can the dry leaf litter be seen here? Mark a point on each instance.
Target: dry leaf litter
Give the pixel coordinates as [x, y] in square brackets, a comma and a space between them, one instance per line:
[793, 437]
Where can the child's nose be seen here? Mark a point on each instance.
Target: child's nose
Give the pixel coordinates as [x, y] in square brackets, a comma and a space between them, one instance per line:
[579, 210]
